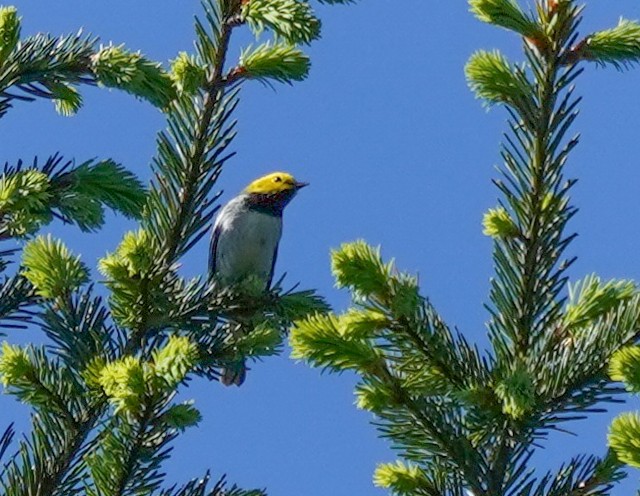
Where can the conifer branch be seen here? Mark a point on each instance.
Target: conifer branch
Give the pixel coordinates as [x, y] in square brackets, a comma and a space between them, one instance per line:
[147, 295]
[16, 296]
[32, 196]
[150, 303]
[213, 97]
[548, 361]
[42, 66]
[139, 438]
[200, 487]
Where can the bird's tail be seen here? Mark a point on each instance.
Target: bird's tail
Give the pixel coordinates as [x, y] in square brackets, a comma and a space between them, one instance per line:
[234, 373]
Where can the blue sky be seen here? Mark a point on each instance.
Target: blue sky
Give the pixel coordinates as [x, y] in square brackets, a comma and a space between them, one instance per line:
[399, 153]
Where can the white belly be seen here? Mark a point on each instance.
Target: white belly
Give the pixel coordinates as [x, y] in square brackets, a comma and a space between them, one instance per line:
[247, 245]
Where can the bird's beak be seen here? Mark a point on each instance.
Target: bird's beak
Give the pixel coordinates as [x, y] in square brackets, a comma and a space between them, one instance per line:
[301, 185]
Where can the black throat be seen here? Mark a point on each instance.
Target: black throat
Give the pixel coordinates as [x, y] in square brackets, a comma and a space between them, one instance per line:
[272, 203]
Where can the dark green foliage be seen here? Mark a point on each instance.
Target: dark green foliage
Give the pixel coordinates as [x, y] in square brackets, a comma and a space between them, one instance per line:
[38, 63]
[16, 295]
[200, 487]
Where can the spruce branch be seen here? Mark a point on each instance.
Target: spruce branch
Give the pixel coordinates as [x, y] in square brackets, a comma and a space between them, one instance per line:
[618, 46]
[65, 455]
[80, 330]
[200, 487]
[9, 31]
[36, 66]
[16, 298]
[42, 458]
[51, 268]
[115, 67]
[43, 66]
[31, 197]
[575, 380]
[30, 376]
[405, 353]
[582, 476]
[506, 14]
[291, 20]
[128, 456]
[278, 62]
[153, 307]
[448, 409]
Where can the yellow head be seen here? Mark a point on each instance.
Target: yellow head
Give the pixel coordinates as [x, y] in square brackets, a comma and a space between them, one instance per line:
[274, 183]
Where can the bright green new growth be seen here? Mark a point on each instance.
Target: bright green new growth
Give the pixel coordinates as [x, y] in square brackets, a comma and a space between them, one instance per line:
[51, 268]
[24, 200]
[9, 31]
[15, 365]
[359, 267]
[66, 98]
[376, 397]
[133, 258]
[174, 361]
[625, 367]
[498, 224]
[507, 14]
[402, 479]
[116, 67]
[619, 46]
[362, 323]
[319, 340]
[590, 299]
[277, 61]
[128, 381]
[181, 416]
[124, 382]
[517, 393]
[133, 283]
[491, 77]
[291, 20]
[187, 75]
[624, 434]
[29, 198]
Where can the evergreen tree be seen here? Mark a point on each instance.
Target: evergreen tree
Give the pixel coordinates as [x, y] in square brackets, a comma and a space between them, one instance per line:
[102, 386]
[466, 421]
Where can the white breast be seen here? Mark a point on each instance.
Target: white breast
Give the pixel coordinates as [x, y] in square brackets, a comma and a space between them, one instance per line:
[247, 243]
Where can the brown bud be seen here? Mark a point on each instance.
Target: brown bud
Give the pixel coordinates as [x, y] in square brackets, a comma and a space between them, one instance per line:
[539, 43]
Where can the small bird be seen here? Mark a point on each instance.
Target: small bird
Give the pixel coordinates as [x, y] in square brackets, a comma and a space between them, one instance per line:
[245, 237]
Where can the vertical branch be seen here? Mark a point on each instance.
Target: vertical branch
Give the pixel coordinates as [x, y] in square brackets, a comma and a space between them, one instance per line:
[214, 95]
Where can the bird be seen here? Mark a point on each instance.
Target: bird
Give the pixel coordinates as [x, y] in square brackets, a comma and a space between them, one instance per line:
[245, 238]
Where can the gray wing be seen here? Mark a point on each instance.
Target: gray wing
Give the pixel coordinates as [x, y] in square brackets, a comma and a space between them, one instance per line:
[213, 248]
[273, 266]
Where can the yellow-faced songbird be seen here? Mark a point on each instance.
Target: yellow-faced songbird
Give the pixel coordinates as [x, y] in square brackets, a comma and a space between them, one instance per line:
[245, 238]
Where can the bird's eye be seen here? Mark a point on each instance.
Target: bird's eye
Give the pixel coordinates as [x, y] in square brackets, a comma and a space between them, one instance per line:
[277, 179]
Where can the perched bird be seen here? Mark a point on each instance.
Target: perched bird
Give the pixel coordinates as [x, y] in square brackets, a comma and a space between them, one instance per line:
[245, 237]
